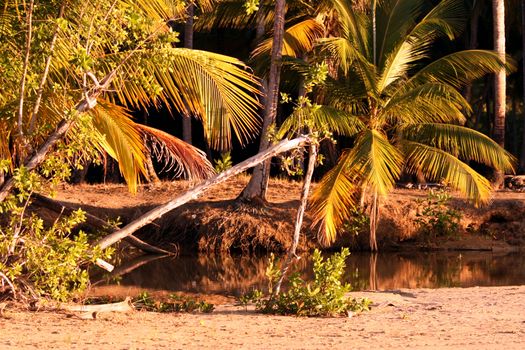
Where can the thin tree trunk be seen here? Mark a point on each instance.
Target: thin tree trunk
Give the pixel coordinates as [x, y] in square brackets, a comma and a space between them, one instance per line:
[498, 12]
[188, 43]
[29, 36]
[522, 157]
[159, 211]
[256, 188]
[40, 91]
[300, 215]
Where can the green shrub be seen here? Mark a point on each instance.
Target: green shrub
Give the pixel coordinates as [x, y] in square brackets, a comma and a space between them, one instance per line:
[39, 261]
[224, 163]
[326, 295]
[435, 218]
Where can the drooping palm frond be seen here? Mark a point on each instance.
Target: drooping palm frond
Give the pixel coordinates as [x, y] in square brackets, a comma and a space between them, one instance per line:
[320, 117]
[216, 88]
[431, 102]
[298, 39]
[465, 143]
[178, 157]
[121, 139]
[460, 68]
[333, 199]
[440, 166]
[377, 161]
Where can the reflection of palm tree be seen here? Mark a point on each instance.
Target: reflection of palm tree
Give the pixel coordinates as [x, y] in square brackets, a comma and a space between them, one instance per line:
[406, 114]
[373, 271]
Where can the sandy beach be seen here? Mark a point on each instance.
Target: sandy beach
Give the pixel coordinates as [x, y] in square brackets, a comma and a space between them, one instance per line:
[457, 318]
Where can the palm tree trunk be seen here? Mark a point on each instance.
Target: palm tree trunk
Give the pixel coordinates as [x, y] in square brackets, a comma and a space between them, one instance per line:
[188, 43]
[256, 188]
[498, 12]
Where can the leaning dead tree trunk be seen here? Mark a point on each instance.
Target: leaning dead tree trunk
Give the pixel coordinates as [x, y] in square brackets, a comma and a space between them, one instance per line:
[300, 215]
[159, 211]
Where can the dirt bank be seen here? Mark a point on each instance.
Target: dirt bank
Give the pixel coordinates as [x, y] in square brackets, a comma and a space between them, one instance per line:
[216, 222]
[469, 318]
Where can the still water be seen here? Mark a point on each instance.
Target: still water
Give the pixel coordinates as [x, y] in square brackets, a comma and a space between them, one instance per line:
[235, 275]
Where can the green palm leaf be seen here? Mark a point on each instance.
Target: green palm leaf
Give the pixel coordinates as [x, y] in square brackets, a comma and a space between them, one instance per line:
[333, 199]
[321, 118]
[465, 143]
[120, 138]
[439, 165]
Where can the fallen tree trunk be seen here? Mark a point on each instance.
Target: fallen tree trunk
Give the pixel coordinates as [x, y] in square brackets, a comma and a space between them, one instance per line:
[123, 306]
[159, 211]
[95, 222]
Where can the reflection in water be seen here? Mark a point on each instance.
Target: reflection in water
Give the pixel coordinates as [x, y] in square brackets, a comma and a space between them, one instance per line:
[234, 275]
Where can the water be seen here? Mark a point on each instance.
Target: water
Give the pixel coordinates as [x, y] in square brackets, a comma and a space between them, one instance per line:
[235, 275]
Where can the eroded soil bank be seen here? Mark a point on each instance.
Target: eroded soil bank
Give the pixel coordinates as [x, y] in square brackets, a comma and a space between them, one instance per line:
[215, 221]
[458, 318]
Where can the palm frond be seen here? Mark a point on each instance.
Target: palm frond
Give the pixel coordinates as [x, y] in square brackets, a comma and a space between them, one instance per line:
[298, 39]
[178, 157]
[465, 143]
[381, 161]
[462, 67]
[121, 139]
[320, 117]
[439, 165]
[333, 199]
[216, 88]
[427, 103]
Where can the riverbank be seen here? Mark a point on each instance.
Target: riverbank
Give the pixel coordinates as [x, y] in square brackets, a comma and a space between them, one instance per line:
[460, 318]
[216, 222]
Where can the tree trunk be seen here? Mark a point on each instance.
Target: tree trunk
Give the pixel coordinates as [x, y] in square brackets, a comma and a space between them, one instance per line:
[188, 43]
[300, 215]
[522, 158]
[159, 211]
[498, 13]
[256, 188]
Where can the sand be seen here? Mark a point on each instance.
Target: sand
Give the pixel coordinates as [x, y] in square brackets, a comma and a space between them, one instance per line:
[458, 318]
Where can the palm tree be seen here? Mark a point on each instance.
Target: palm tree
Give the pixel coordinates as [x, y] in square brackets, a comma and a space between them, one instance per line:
[102, 54]
[403, 110]
[500, 95]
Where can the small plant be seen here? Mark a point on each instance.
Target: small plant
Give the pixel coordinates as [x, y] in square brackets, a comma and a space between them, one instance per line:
[326, 295]
[145, 301]
[435, 218]
[224, 163]
[358, 223]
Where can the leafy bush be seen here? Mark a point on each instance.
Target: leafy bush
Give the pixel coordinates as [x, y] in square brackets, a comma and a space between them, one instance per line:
[435, 218]
[325, 295]
[358, 223]
[39, 261]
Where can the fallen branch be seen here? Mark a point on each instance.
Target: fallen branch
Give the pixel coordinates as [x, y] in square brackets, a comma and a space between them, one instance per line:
[97, 223]
[159, 211]
[123, 306]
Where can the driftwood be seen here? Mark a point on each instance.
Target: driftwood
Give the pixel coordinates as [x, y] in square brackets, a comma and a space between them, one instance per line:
[159, 211]
[91, 311]
[128, 267]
